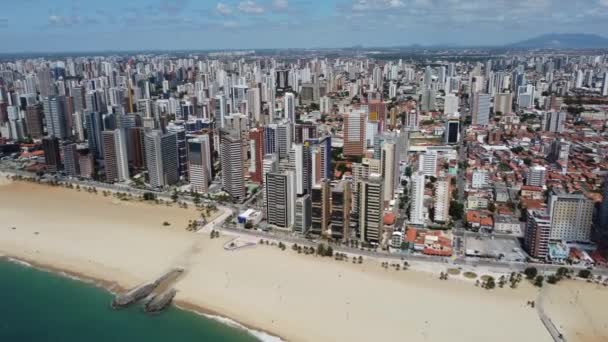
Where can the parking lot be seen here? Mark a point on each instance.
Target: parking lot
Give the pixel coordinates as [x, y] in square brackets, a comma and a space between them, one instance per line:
[503, 248]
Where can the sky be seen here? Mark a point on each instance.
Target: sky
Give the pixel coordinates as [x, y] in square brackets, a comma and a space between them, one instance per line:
[102, 25]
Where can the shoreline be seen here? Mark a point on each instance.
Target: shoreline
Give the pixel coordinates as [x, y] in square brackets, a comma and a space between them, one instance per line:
[114, 288]
[117, 247]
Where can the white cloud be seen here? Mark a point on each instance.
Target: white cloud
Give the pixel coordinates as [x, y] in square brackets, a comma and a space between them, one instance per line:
[250, 7]
[604, 3]
[284, 4]
[223, 9]
[54, 19]
[230, 24]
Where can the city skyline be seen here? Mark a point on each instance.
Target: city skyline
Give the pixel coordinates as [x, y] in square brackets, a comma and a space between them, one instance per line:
[184, 24]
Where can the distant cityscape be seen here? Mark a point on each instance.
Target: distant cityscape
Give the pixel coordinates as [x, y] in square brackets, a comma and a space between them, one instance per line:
[500, 156]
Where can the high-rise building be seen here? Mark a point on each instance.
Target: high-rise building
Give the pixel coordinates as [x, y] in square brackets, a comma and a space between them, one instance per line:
[135, 147]
[220, 110]
[442, 200]
[33, 121]
[325, 106]
[320, 150]
[302, 164]
[427, 163]
[86, 163]
[602, 217]
[94, 123]
[354, 133]
[70, 159]
[450, 105]
[503, 103]
[280, 199]
[452, 130]
[571, 217]
[605, 84]
[321, 216]
[182, 149]
[231, 159]
[303, 214]
[371, 208]
[161, 158]
[254, 105]
[389, 170]
[256, 148]
[340, 210]
[538, 230]
[115, 156]
[553, 121]
[290, 107]
[417, 215]
[536, 176]
[52, 156]
[480, 109]
[199, 163]
[284, 139]
[427, 102]
[55, 114]
[270, 139]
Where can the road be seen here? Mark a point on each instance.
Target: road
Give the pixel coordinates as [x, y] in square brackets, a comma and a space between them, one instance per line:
[219, 223]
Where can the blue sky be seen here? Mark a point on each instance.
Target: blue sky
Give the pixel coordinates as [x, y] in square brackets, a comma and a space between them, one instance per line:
[84, 25]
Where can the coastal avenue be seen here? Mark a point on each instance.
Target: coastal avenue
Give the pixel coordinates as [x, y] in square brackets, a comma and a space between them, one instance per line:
[221, 223]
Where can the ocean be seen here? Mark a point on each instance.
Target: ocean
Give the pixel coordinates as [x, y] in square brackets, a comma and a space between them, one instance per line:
[39, 306]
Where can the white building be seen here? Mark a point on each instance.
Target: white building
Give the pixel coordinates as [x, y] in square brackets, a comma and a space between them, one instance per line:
[417, 212]
[442, 200]
[290, 107]
[536, 176]
[451, 103]
[480, 179]
[427, 163]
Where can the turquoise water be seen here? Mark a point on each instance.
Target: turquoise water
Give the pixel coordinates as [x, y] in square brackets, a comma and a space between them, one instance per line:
[39, 306]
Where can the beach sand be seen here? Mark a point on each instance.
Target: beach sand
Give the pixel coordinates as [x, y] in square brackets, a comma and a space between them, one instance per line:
[579, 309]
[296, 297]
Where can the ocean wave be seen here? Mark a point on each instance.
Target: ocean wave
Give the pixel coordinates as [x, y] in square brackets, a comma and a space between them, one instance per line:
[19, 262]
[260, 335]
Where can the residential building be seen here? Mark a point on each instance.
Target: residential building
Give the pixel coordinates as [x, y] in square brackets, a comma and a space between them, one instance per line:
[417, 212]
[199, 163]
[161, 158]
[442, 200]
[280, 199]
[340, 210]
[231, 159]
[538, 231]
[571, 217]
[371, 209]
[354, 133]
[321, 214]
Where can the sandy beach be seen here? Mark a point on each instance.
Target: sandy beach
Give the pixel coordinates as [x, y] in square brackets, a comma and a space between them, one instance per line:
[296, 297]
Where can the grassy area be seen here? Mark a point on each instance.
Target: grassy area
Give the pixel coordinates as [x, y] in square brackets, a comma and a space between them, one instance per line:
[485, 277]
[470, 275]
[453, 271]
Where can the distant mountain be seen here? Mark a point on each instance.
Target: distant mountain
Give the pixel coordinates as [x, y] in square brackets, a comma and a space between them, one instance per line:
[563, 41]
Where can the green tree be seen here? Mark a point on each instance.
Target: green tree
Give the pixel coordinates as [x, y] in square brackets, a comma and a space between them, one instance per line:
[456, 210]
[530, 272]
[538, 281]
[321, 249]
[490, 283]
[552, 279]
[174, 196]
[408, 172]
[585, 274]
